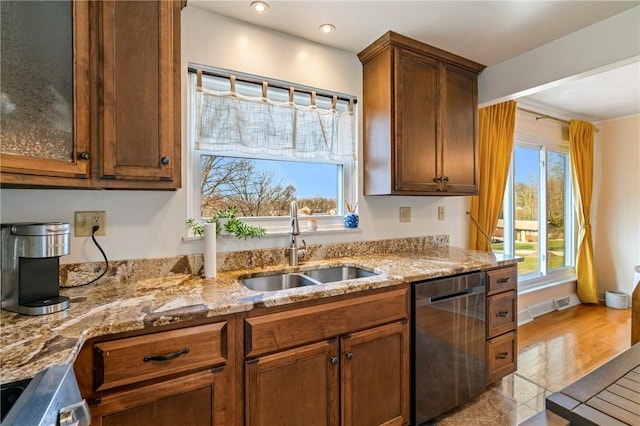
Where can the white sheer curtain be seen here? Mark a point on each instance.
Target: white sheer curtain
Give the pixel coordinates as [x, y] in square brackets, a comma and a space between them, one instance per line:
[228, 122]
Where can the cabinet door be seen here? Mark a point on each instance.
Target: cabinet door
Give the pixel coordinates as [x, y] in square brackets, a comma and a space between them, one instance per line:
[45, 93]
[139, 130]
[194, 400]
[375, 376]
[459, 106]
[416, 115]
[294, 387]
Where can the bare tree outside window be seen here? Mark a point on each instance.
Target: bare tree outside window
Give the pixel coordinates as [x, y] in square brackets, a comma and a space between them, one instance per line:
[260, 187]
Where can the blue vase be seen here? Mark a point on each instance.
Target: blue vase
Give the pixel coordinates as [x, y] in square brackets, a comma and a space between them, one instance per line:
[351, 220]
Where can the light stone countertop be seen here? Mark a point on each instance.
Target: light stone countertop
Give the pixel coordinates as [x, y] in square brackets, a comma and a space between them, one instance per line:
[32, 343]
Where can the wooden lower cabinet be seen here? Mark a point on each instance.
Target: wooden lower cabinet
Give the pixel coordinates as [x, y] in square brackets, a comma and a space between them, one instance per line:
[174, 376]
[193, 400]
[294, 387]
[502, 323]
[375, 379]
[358, 379]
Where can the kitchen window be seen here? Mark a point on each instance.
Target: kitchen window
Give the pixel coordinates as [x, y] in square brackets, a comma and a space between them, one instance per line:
[538, 219]
[258, 144]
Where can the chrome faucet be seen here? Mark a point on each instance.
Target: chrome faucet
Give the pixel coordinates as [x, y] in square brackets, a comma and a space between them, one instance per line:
[294, 252]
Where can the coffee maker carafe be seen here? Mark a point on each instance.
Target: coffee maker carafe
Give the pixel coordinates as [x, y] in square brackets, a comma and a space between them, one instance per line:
[30, 266]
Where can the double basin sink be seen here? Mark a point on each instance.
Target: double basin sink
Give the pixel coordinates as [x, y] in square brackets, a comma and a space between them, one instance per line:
[305, 278]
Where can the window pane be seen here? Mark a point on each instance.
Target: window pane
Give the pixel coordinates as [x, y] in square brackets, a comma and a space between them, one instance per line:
[556, 177]
[527, 178]
[267, 187]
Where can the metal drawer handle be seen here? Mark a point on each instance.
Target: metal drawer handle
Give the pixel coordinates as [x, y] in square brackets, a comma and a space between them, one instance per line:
[502, 314]
[503, 280]
[166, 357]
[502, 355]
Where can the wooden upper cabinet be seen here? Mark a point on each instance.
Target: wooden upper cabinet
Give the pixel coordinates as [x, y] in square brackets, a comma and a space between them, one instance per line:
[139, 124]
[107, 95]
[45, 89]
[420, 119]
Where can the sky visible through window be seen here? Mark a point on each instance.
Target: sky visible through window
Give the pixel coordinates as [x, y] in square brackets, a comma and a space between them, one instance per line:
[310, 179]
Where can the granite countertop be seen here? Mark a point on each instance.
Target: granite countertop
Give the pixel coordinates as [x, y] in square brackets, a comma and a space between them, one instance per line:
[32, 343]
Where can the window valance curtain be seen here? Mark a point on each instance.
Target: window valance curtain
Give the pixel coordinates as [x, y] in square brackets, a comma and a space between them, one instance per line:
[231, 123]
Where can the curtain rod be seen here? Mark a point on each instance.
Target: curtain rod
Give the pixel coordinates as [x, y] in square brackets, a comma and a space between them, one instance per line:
[540, 116]
[240, 77]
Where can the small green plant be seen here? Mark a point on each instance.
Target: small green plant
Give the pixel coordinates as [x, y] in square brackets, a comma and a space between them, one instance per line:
[240, 229]
[195, 227]
[233, 225]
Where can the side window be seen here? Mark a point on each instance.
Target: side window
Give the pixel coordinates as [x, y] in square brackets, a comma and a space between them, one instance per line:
[537, 219]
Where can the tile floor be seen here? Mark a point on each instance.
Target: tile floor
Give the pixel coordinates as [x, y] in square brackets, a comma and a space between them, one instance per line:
[507, 403]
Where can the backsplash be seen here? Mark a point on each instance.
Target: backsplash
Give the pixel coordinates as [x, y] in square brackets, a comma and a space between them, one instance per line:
[122, 271]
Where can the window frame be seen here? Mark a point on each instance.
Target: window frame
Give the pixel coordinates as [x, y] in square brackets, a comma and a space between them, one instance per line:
[543, 277]
[274, 225]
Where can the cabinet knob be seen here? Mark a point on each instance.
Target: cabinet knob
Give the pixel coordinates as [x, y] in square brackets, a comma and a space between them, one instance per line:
[334, 360]
[445, 178]
[349, 355]
[164, 161]
[84, 155]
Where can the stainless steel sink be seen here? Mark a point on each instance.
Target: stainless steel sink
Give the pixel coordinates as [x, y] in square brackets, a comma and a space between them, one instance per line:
[277, 282]
[300, 279]
[340, 273]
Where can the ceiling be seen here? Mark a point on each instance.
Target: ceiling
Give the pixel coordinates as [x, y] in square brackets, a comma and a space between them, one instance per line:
[488, 32]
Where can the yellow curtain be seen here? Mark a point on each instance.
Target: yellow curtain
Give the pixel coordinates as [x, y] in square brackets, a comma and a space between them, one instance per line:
[495, 143]
[581, 151]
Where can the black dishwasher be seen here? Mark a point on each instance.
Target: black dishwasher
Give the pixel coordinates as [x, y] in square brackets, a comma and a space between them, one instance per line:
[448, 344]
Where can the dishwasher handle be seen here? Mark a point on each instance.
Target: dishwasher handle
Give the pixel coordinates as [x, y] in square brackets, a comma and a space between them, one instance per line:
[450, 296]
[455, 295]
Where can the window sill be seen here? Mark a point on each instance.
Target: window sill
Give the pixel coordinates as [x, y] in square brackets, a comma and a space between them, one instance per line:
[281, 232]
[560, 277]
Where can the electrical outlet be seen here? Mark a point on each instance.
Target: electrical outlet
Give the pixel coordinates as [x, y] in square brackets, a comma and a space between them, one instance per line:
[85, 221]
[440, 212]
[405, 214]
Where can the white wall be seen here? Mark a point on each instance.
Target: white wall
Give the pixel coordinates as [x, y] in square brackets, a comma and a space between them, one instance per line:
[145, 224]
[616, 203]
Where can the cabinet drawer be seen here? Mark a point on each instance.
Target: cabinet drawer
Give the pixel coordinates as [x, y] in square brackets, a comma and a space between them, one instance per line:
[281, 330]
[502, 355]
[501, 313]
[502, 280]
[134, 359]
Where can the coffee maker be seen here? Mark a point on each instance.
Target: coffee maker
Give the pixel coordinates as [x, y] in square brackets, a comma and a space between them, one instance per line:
[30, 266]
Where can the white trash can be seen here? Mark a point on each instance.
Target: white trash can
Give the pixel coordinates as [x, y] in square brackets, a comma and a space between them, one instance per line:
[616, 299]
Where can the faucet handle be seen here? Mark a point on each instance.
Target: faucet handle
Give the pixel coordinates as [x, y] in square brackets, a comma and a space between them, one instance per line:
[303, 251]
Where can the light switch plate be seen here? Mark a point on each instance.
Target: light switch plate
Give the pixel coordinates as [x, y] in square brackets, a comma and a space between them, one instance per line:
[440, 212]
[405, 214]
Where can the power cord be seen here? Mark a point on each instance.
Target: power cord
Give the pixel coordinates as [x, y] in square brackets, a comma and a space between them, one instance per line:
[106, 261]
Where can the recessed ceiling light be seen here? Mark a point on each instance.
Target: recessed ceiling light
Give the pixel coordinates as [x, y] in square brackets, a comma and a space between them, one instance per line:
[259, 7]
[327, 28]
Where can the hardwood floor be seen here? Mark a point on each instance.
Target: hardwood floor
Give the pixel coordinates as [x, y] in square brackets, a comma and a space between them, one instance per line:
[554, 350]
[557, 348]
